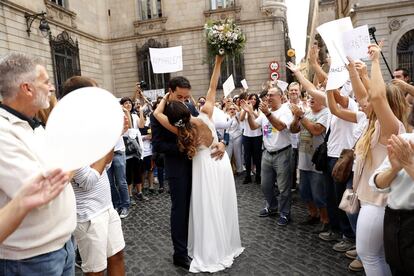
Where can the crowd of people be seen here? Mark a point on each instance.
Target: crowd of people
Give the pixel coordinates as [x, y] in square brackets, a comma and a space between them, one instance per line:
[268, 137]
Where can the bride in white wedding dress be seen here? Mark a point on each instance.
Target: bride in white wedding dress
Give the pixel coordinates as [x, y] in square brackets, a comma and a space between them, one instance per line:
[213, 236]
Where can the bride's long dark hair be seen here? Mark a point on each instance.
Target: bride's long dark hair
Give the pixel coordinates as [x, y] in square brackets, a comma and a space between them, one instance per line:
[179, 115]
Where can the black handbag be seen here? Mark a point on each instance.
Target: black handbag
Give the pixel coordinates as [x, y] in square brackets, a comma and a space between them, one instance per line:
[132, 147]
[320, 156]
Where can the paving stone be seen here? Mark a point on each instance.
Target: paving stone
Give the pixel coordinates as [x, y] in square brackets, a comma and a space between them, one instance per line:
[270, 249]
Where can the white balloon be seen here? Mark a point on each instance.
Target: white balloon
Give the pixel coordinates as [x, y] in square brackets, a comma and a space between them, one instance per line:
[82, 128]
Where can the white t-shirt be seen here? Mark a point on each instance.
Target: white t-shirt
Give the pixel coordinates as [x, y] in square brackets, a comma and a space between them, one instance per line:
[273, 139]
[342, 132]
[247, 131]
[120, 145]
[308, 142]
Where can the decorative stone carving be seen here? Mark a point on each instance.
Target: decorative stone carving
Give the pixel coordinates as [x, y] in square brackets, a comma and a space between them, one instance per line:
[395, 24]
[221, 14]
[274, 8]
[60, 14]
[150, 26]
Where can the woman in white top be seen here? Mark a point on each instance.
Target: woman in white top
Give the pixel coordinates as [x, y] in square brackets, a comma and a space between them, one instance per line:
[252, 141]
[234, 130]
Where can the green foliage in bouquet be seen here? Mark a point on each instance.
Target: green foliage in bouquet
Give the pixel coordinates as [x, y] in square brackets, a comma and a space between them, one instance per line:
[224, 38]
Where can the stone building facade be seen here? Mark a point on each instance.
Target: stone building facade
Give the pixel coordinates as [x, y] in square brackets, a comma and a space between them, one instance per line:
[392, 20]
[394, 23]
[108, 40]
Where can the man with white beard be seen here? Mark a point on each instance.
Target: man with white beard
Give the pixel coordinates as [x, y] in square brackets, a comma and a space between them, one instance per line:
[41, 245]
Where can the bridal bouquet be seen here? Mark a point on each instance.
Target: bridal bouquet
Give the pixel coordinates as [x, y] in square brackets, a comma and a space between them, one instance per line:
[224, 37]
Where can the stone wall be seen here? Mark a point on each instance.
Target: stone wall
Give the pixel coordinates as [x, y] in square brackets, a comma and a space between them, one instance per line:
[108, 33]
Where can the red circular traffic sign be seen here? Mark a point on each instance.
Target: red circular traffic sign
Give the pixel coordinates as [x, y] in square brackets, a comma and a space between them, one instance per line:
[274, 66]
[274, 76]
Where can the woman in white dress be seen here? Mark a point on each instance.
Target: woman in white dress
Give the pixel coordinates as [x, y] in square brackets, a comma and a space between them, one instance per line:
[214, 238]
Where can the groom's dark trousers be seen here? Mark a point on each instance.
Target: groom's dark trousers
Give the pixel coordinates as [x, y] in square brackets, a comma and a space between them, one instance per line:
[178, 170]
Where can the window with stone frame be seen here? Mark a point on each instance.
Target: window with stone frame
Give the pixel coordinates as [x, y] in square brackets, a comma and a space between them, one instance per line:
[145, 72]
[149, 9]
[405, 53]
[59, 2]
[221, 4]
[66, 63]
[232, 65]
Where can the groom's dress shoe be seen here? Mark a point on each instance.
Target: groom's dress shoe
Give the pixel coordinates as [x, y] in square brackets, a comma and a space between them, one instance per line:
[182, 262]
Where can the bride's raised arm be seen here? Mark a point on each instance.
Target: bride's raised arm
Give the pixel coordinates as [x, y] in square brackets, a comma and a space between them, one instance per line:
[208, 107]
[160, 116]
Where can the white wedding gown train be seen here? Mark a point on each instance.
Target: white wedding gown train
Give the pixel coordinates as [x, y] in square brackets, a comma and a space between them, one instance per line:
[213, 236]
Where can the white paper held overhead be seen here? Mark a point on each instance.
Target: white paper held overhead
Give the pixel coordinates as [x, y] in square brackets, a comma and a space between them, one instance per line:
[166, 60]
[228, 86]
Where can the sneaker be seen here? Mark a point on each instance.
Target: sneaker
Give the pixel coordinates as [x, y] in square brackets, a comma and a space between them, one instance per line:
[141, 197]
[356, 266]
[330, 236]
[151, 191]
[247, 180]
[323, 227]
[258, 179]
[265, 212]
[118, 210]
[283, 220]
[351, 254]
[124, 213]
[132, 201]
[344, 246]
[310, 221]
[160, 190]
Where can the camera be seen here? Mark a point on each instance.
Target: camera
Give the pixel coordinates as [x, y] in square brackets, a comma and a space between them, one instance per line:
[142, 84]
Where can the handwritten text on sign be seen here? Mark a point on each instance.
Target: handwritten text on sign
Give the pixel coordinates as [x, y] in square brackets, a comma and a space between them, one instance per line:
[356, 42]
[166, 60]
[331, 35]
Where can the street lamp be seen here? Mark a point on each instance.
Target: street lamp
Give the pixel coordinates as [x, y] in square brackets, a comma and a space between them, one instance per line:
[43, 26]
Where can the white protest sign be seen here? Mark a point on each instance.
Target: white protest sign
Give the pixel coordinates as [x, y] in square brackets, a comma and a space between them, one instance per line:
[356, 42]
[76, 135]
[153, 94]
[330, 32]
[282, 85]
[244, 84]
[166, 60]
[228, 86]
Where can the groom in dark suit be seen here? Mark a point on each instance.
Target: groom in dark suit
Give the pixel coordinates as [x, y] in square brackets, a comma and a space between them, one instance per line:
[178, 169]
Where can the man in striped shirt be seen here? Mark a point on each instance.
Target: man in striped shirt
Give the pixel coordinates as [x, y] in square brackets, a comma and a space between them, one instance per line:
[99, 232]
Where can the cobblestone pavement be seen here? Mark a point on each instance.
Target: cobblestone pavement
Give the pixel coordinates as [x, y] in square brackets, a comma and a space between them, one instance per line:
[270, 249]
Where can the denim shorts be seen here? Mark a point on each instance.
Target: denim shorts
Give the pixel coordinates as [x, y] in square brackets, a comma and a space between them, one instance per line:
[312, 188]
[56, 263]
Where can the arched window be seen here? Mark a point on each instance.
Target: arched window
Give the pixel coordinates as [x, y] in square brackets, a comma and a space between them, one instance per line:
[405, 53]
[145, 72]
[65, 55]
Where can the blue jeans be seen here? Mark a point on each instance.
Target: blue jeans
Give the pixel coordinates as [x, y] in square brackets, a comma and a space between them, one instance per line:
[312, 188]
[57, 263]
[117, 178]
[277, 168]
[337, 218]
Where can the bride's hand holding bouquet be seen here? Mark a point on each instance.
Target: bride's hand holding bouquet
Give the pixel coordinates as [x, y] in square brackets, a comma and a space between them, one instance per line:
[224, 38]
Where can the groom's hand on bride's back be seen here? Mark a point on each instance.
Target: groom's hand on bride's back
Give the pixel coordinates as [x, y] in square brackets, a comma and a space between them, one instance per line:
[218, 150]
